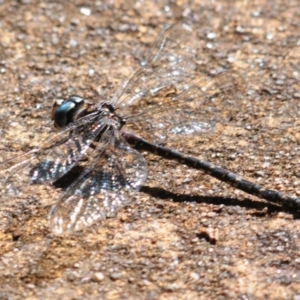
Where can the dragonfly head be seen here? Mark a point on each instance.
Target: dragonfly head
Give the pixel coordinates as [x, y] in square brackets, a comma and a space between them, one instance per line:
[65, 111]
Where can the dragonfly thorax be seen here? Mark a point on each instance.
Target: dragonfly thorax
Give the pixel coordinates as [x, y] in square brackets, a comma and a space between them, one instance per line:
[109, 111]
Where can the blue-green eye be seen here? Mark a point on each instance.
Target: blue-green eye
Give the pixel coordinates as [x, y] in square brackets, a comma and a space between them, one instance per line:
[64, 111]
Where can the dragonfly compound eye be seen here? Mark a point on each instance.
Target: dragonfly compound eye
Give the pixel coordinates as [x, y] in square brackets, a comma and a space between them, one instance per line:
[64, 112]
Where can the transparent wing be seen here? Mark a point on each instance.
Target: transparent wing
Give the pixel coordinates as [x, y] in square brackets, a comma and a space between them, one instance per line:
[171, 92]
[103, 188]
[172, 57]
[53, 158]
[196, 110]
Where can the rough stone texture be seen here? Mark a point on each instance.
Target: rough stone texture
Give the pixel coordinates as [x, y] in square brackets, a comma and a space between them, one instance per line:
[187, 235]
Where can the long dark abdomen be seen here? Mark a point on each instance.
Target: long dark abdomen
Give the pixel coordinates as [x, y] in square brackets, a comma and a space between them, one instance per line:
[216, 172]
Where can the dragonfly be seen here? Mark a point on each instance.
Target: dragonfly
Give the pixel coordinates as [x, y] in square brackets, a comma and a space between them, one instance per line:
[167, 95]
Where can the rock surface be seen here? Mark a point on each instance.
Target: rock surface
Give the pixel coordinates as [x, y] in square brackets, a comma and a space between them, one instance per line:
[187, 235]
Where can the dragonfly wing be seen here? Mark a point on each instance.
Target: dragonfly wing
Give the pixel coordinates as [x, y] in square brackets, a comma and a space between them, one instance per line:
[173, 93]
[171, 58]
[103, 188]
[60, 153]
[54, 158]
[207, 103]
